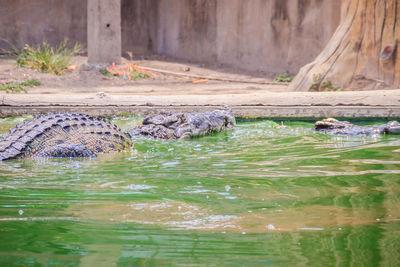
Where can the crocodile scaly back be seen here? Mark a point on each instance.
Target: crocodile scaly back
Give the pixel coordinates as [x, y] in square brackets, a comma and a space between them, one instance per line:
[37, 137]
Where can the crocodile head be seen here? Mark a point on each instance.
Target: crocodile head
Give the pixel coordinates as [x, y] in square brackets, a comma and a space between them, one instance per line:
[333, 126]
[393, 127]
[168, 125]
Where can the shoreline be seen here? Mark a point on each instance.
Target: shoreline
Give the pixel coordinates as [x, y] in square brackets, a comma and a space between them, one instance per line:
[351, 104]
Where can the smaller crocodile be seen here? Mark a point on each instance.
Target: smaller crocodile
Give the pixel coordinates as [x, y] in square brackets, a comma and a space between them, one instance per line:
[333, 126]
[167, 125]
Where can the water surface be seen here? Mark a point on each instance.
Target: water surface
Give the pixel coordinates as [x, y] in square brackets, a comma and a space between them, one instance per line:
[259, 195]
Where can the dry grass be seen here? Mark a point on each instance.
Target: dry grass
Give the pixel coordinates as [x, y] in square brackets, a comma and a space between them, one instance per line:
[45, 58]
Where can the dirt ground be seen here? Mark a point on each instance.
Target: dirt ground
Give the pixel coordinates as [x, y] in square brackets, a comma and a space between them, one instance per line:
[84, 89]
[86, 79]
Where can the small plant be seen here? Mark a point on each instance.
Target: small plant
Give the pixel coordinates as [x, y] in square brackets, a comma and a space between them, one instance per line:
[14, 50]
[318, 85]
[18, 87]
[328, 86]
[137, 74]
[31, 83]
[127, 72]
[105, 72]
[284, 78]
[45, 58]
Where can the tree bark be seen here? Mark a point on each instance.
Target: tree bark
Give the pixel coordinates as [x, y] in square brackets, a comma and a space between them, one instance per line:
[363, 52]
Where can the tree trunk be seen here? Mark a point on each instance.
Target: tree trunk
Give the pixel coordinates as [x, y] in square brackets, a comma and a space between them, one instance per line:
[362, 54]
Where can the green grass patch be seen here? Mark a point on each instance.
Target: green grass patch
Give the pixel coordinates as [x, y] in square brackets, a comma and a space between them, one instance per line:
[19, 87]
[105, 72]
[137, 74]
[283, 78]
[126, 72]
[45, 58]
[320, 85]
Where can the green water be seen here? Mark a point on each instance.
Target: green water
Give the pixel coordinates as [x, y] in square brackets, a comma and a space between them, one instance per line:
[259, 195]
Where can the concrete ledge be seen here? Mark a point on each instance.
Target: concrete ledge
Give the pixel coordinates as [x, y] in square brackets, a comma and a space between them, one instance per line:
[390, 112]
[363, 98]
[365, 104]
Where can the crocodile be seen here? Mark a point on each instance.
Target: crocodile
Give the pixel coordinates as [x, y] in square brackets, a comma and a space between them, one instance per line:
[333, 126]
[167, 125]
[63, 135]
[77, 135]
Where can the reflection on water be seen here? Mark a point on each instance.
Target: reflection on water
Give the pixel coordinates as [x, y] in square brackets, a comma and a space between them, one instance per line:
[258, 195]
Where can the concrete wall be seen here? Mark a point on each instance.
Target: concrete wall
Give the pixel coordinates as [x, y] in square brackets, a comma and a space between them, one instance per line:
[33, 21]
[269, 35]
[104, 31]
[139, 26]
[188, 29]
